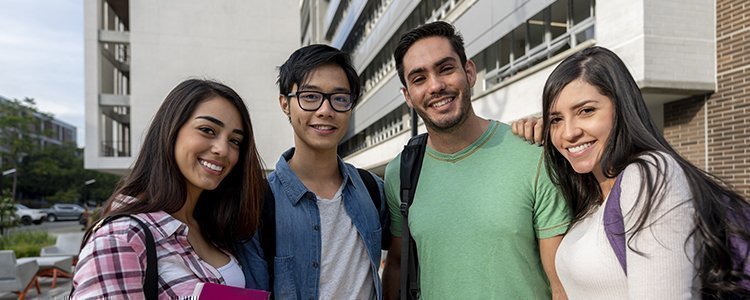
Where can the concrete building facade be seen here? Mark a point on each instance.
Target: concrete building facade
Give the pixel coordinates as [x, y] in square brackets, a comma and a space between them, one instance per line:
[668, 45]
[136, 51]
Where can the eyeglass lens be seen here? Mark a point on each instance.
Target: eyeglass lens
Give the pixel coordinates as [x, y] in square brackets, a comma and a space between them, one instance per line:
[311, 100]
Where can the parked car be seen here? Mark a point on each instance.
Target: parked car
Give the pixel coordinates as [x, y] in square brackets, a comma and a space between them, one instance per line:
[28, 215]
[64, 212]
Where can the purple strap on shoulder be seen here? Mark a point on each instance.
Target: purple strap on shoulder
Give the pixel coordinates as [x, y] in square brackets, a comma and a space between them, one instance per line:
[614, 226]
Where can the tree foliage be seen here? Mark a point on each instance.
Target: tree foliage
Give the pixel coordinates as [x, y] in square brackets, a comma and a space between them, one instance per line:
[19, 123]
[52, 173]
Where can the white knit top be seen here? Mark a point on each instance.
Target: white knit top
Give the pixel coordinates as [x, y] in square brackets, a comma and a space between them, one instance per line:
[588, 267]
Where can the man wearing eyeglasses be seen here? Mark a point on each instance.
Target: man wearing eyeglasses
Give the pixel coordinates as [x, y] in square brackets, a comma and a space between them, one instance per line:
[327, 228]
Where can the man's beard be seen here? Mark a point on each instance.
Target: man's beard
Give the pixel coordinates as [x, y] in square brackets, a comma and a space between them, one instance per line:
[450, 125]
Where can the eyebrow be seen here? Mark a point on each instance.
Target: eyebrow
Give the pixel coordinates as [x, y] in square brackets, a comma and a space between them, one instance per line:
[582, 103]
[438, 63]
[220, 124]
[310, 87]
[576, 106]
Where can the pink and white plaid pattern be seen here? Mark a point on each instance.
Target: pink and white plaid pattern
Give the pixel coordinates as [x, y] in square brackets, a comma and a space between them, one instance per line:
[113, 262]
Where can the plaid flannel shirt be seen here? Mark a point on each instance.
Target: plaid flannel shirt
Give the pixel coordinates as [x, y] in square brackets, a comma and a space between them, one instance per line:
[112, 264]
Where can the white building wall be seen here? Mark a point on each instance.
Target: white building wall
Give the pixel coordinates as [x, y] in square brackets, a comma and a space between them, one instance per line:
[239, 43]
[668, 45]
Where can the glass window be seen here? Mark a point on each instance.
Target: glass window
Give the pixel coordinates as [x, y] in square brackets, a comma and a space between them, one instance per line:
[558, 18]
[492, 56]
[504, 57]
[581, 10]
[536, 29]
[519, 42]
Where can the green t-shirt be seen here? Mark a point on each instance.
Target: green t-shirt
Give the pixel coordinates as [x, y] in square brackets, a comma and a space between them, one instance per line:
[476, 218]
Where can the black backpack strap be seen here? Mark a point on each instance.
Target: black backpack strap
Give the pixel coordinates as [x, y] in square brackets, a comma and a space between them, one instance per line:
[411, 166]
[150, 284]
[372, 187]
[268, 231]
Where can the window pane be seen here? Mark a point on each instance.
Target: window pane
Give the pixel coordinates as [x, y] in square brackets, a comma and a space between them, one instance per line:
[559, 18]
[519, 41]
[536, 30]
[505, 43]
[581, 10]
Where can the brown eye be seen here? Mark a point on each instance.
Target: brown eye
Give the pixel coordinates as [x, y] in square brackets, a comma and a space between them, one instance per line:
[206, 130]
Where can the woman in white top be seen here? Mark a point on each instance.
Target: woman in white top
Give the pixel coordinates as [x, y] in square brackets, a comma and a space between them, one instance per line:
[678, 220]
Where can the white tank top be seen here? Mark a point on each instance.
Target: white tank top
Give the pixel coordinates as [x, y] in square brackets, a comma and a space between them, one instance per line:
[232, 273]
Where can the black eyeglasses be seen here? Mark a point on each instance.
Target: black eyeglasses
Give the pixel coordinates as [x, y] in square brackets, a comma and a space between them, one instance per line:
[312, 100]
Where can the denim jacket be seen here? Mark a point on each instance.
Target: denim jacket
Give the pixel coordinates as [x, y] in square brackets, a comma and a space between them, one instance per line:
[298, 241]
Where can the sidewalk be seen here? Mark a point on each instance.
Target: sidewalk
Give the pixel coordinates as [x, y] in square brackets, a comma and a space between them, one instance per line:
[60, 292]
[62, 288]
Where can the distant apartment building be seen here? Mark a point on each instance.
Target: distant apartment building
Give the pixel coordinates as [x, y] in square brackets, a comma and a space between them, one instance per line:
[47, 131]
[672, 47]
[136, 51]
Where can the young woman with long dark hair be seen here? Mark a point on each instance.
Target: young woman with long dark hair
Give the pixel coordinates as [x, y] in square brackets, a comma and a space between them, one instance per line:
[684, 228]
[197, 185]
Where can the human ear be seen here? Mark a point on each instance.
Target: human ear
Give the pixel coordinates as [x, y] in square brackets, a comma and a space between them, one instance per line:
[471, 72]
[407, 97]
[284, 104]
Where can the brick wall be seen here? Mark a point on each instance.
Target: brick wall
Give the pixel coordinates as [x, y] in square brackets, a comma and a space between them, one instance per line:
[684, 128]
[728, 109]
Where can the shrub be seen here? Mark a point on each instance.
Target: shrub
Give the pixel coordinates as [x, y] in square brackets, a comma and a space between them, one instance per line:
[27, 243]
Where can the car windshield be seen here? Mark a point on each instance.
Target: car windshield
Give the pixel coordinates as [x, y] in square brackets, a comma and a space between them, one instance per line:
[21, 206]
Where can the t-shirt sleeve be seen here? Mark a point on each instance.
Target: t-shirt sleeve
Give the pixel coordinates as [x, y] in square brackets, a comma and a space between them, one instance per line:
[551, 213]
[392, 188]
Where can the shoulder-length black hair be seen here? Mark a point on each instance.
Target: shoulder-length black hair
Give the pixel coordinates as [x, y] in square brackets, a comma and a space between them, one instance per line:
[227, 214]
[721, 214]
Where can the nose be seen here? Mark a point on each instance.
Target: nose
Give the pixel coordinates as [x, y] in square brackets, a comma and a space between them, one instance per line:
[436, 85]
[572, 131]
[220, 147]
[325, 109]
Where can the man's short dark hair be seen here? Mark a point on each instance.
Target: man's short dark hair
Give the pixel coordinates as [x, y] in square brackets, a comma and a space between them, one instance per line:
[437, 28]
[299, 65]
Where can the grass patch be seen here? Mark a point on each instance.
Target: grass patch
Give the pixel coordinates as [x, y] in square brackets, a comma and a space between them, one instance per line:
[27, 243]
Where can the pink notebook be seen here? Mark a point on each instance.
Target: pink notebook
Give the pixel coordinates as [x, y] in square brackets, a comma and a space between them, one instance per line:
[207, 290]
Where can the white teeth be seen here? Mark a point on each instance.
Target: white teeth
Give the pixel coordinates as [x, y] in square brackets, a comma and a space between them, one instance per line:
[211, 166]
[441, 103]
[323, 127]
[580, 148]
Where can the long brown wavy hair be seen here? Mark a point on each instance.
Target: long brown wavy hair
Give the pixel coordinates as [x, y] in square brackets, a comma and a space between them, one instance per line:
[227, 214]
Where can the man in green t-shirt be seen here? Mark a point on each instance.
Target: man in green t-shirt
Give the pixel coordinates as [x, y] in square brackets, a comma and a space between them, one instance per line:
[486, 219]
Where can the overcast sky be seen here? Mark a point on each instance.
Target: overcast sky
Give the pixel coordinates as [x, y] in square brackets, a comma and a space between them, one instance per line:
[41, 56]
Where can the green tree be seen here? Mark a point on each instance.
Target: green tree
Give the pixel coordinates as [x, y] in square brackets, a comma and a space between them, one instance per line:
[7, 213]
[19, 124]
[49, 172]
[56, 173]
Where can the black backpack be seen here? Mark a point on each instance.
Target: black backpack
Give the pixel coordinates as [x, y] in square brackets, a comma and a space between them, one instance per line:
[411, 165]
[268, 220]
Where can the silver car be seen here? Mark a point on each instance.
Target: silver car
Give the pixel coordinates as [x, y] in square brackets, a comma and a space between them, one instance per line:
[29, 215]
[64, 212]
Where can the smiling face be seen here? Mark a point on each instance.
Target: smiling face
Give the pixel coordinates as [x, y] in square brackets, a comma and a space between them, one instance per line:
[581, 121]
[208, 144]
[323, 129]
[438, 87]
